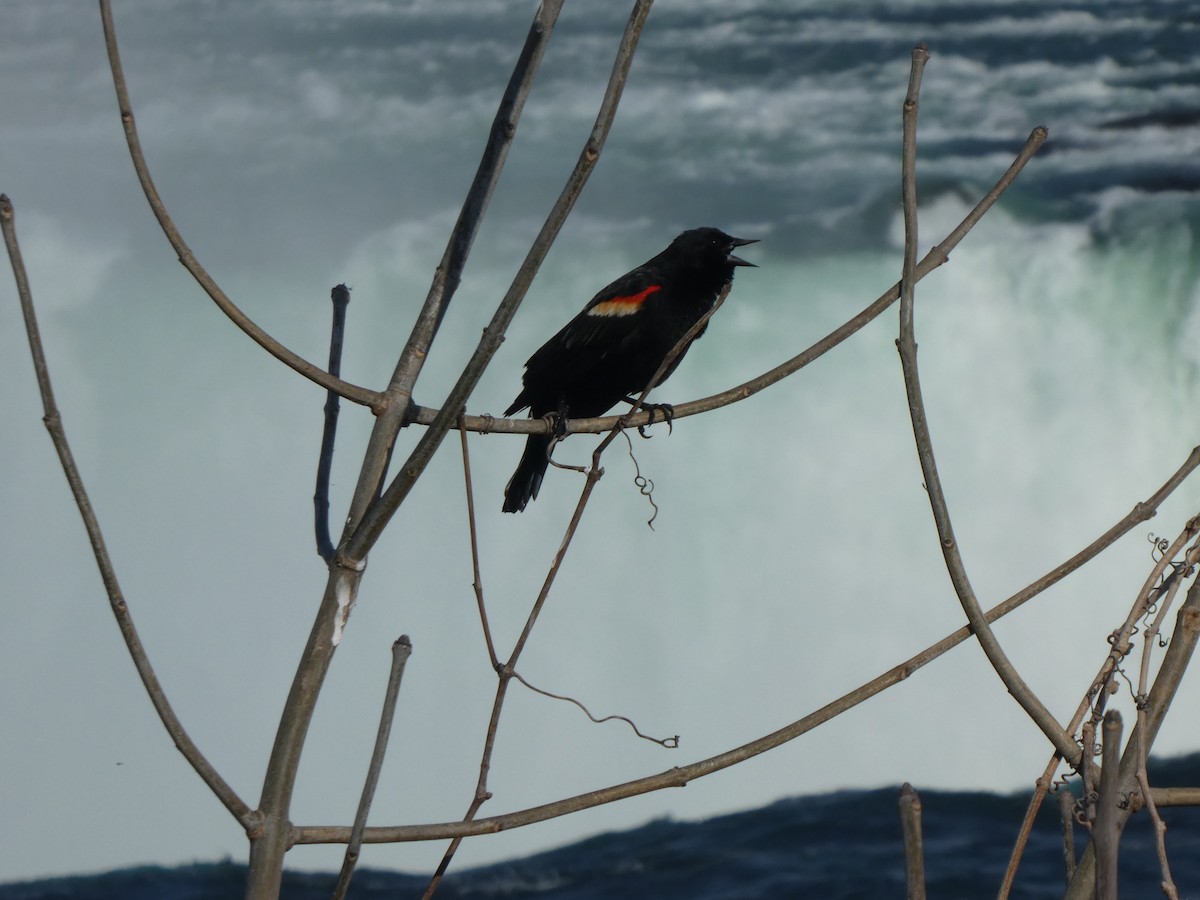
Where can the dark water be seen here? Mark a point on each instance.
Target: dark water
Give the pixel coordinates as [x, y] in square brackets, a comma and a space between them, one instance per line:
[840, 845]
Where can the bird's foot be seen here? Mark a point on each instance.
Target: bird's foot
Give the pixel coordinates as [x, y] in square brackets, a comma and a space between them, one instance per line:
[557, 421]
[666, 409]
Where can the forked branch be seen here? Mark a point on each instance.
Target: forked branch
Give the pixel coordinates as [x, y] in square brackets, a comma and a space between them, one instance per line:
[380, 513]
[442, 289]
[345, 573]
[340, 296]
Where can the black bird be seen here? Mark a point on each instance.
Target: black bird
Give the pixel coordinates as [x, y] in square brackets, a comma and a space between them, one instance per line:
[612, 349]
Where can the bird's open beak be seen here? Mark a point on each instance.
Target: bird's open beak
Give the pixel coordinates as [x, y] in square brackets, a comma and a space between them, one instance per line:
[737, 260]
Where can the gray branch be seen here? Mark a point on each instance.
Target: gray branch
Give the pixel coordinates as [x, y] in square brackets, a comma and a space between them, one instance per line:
[116, 598]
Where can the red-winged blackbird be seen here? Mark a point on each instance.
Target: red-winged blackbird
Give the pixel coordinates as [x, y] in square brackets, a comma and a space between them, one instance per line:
[612, 349]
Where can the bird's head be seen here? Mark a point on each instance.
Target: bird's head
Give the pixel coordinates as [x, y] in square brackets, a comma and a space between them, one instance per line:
[712, 246]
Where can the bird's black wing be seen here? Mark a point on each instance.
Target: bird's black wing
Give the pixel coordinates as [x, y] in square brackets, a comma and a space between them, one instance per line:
[608, 318]
[607, 325]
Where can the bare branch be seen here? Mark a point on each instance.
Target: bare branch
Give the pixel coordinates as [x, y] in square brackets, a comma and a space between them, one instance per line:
[1151, 637]
[1088, 773]
[677, 777]
[1160, 831]
[1066, 813]
[401, 650]
[1174, 796]
[1106, 832]
[482, 794]
[1012, 679]
[116, 598]
[352, 392]
[936, 257]
[477, 580]
[1031, 811]
[340, 296]
[908, 175]
[914, 849]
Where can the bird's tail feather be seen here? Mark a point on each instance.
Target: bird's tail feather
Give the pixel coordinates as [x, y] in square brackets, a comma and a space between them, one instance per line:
[527, 479]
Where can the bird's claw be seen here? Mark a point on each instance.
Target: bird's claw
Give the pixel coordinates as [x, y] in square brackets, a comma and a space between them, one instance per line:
[668, 414]
[558, 424]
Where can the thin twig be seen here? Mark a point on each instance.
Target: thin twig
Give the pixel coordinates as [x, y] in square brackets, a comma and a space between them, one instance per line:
[1023, 833]
[1106, 831]
[1088, 773]
[1012, 679]
[340, 296]
[248, 818]
[1143, 510]
[1172, 796]
[1160, 832]
[401, 650]
[314, 373]
[477, 574]
[908, 174]
[914, 849]
[1151, 637]
[675, 352]
[1066, 814]
[593, 476]
[482, 794]
[670, 743]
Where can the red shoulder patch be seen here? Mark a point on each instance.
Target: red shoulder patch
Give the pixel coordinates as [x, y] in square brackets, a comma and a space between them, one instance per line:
[623, 306]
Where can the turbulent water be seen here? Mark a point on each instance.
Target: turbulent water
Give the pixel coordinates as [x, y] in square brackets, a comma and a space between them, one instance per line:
[301, 144]
[840, 846]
